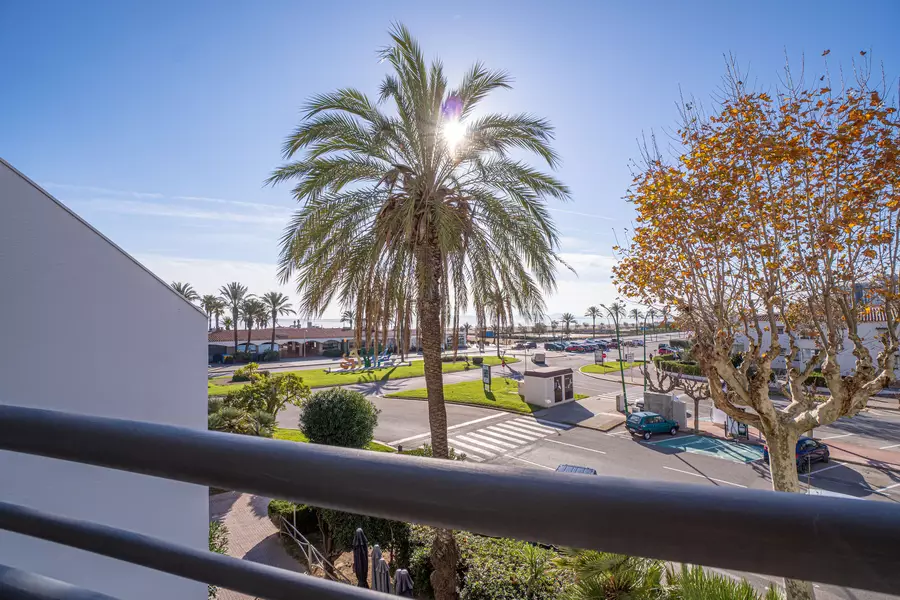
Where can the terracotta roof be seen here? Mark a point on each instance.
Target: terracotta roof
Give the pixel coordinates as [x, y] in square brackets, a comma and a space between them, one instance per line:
[281, 333]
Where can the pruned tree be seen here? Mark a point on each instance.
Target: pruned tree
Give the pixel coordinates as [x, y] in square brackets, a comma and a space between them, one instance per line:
[780, 208]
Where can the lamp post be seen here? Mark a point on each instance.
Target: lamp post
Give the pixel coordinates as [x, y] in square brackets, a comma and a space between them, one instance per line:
[645, 353]
[615, 310]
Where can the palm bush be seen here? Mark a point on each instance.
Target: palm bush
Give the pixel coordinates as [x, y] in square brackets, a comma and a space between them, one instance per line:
[695, 583]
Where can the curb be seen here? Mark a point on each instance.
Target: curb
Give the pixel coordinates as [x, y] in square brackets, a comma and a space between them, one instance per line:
[497, 408]
[605, 378]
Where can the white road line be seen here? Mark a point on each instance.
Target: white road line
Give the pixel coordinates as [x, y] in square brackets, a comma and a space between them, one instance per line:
[454, 442]
[521, 437]
[880, 413]
[705, 477]
[480, 444]
[531, 463]
[481, 436]
[834, 437]
[891, 446]
[521, 432]
[502, 436]
[536, 428]
[574, 446]
[890, 487]
[554, 424]
[466, 424]
[834, 466]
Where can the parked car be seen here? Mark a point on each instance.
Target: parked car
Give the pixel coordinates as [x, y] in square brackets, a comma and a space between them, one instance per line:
[664, 350]
[645, 424]
[531, 345]
[519, 346]
[576, 469]
[808, 451]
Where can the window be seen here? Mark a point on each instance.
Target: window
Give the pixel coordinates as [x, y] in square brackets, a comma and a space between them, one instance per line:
[784, 351]
[780, 329]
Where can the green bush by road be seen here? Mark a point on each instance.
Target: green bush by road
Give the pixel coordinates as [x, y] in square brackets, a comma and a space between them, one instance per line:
[295, 435]
[608, 367]
[316, 378]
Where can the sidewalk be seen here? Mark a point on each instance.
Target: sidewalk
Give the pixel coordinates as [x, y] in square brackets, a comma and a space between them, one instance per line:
[595, 412]
[840, 451]
[251, 534]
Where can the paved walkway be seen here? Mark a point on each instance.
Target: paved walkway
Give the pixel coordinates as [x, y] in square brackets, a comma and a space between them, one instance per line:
[251, 534]
[595, 412]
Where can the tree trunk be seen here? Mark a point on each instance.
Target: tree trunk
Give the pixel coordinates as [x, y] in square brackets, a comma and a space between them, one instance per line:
[696, 412]
[444, 553]
[234, 323]
[782, 443]
[274, 322]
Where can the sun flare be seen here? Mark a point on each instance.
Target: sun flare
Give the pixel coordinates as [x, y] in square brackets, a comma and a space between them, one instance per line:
[454, 131]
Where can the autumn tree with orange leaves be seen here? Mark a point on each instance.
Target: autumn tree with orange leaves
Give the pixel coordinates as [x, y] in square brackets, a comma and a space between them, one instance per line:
[779, 205]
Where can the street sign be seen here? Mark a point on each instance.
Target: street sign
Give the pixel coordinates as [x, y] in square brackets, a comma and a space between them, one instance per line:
[735, 428]
[629, 357]
[598, 357]
[486, 377]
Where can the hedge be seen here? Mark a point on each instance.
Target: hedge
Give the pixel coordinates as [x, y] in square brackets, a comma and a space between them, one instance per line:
[673, 365]
[307, 522]
[332, 353]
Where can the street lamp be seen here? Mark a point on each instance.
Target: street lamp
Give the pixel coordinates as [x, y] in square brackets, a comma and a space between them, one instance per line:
[616, 310]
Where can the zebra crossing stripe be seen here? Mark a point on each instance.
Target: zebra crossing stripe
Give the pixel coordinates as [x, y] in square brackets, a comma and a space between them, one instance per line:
[481, 436]
[468, 440]
[554, 424]
[516, 431]
[502, 436]
[469, 448]
[534, 426]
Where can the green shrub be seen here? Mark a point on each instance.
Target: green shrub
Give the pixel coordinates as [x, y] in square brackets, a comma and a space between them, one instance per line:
[333, 352]
[245, 373]
[306, 518]
[243, 356]
[449, 358]
[269, 393]
[477, 360]
[218, 543]
[695, 583]
[426, 450]
[269, 355]
[231, 419]
[338, 417]
[816, 380]
[213, 405]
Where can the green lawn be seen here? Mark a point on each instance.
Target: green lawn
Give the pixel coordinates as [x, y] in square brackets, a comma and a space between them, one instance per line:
[608, 367]
[295, 435]
[316, 378]
[504, 394]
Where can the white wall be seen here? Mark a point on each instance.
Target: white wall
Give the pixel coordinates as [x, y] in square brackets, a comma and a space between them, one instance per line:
[127, 347]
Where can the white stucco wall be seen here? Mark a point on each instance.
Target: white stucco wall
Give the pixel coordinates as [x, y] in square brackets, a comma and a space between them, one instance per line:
[95, 334]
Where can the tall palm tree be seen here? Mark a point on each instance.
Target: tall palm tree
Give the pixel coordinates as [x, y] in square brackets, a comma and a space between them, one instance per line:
[466, 327]
[553, 325]
[278, 305]
[347, 316]
[637, 315]
[252, 309]
[233, 295]
[540, 328]
[227, 322]
[665, 311]
[499, 305]
[651, 314]
[421, 203]
[593, 312]
[186, 290]
[218, 310]
[208, 304]
[568, 319]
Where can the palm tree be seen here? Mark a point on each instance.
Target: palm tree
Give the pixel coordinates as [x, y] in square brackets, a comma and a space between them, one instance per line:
[637, 315]
[422, 204]
[347, 316]
[611, 576]
[208, 304]
[218, 311]
[186, 290]
[593, 312]
[664, 312]
[568, 319]
[651, 314]
[277, 305]
[499, 305]
[227, 322]
[252, 309]
[233, 295]
[553, 325]
[466, 327]
[540, 328]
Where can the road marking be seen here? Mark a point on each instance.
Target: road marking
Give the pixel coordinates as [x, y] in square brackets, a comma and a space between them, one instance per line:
[469, 440]
[554, 424]
[535, 428]
[887, 488]
[467, 423]
[482, 435]
[523, 433]
[880, 413]
[705, 477]
[834, 437]
[834, 466]
[574, 446]
[497, 436]
[531, 463]
[891, 446]
[519, 437]
[474, 449]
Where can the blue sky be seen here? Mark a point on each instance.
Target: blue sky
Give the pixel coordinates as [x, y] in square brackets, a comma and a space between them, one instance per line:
[159, 122]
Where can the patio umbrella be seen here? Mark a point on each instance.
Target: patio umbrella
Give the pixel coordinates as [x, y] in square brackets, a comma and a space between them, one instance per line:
[403, 585]
[381, 576]
[361, 558]
[376, 556]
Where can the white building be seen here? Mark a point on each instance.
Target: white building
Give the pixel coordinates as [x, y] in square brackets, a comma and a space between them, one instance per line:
[870, 327]
[94, 334]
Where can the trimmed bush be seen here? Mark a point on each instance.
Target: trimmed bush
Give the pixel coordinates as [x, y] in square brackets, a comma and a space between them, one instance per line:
[269, 355]
[333, 353]
[244, 373]
[426, 450]
[243, 356]
[307, 520]
[338, 417]
[478, 360]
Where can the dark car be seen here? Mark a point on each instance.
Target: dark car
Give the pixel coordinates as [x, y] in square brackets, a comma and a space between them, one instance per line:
[574, 348]
[645, 424]
[576, 469]
[519, 346]
[531, 345]
[808, 451]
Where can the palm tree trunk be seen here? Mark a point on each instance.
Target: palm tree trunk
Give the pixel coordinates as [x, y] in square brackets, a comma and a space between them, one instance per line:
[274, 320]
[234, 323]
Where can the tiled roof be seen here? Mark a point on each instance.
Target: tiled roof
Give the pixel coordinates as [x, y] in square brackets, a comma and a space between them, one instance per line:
[282, 333]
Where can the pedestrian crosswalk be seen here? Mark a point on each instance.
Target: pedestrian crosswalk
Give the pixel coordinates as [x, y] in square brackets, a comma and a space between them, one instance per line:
[502, 437]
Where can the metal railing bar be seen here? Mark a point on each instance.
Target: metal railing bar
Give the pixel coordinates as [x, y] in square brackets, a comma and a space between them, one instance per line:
[16, 584]
[243, 576]
[309, 550]
[845, 542]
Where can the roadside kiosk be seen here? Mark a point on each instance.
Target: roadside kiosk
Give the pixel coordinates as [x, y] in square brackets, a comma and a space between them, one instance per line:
[548, 386]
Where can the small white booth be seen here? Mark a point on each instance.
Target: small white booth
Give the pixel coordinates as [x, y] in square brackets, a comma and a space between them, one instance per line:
[548, 386]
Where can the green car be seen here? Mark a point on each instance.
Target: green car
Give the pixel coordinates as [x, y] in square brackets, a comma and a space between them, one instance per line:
[645, 424]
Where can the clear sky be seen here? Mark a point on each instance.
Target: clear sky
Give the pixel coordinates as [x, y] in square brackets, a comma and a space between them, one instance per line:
[159, 122]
